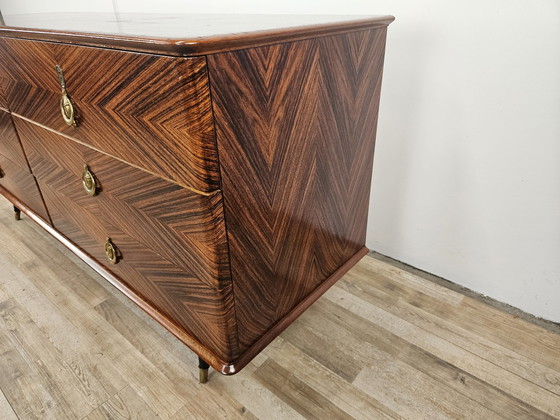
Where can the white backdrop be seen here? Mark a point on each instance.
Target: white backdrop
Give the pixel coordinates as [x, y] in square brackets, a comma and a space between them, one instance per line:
[467, 167]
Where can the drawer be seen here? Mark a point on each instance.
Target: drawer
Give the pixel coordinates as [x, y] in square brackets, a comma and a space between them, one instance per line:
[182, 226]
[149, 110]
[203, 311]
[22, 185]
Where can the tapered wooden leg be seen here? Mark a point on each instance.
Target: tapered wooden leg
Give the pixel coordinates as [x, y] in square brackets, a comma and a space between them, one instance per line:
[202, 371]
[17, 213]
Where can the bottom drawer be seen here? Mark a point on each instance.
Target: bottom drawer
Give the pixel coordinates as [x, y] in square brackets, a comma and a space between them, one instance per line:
[22, 185]
[202, 311]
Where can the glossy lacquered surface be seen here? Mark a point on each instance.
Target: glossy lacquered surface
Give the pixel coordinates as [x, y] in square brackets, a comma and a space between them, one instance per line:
[151, 111]
[181, 34]
[170, 241]
[296, 157]
[222, 193]
[184, 227]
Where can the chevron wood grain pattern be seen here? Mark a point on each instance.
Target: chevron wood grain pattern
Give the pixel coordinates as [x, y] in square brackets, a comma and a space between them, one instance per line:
[182, 226]
[10, 146]
[151, 111]
[296, 155]
[22, 184]
[202, 311]
[225, 253]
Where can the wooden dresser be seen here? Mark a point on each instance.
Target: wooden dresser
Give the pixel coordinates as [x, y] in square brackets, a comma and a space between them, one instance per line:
[215, 169]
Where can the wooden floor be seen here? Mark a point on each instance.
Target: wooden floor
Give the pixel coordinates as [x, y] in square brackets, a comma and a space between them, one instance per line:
[382, 343]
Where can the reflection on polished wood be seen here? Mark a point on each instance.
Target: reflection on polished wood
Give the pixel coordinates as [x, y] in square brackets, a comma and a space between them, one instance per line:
[399, 346]
[158, 118]
[181, 34]
[224, 252]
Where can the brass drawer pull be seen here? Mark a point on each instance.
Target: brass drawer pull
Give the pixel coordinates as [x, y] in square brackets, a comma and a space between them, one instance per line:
[66, 107]
[88, 181]
[1, 173]
[111, 252]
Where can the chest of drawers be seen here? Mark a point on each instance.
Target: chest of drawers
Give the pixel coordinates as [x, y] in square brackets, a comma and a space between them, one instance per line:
[218, 177]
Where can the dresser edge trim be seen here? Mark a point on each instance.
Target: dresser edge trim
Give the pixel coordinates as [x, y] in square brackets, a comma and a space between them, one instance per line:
[195, 46]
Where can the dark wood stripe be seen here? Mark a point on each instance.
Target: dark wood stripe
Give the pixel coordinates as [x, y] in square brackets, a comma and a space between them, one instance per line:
[10, 146]
[3, 102]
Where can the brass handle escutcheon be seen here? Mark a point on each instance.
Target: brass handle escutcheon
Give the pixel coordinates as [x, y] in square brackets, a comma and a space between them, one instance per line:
[111, 252]
[88, 181]
[66, 106]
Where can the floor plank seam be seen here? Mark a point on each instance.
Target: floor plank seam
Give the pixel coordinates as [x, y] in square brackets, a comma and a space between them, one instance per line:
[448, 284]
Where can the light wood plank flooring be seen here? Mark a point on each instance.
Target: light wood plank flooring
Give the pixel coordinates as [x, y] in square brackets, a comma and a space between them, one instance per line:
[382, 343]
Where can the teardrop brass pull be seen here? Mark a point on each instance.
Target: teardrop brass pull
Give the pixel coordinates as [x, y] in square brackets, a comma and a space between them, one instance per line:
[1, 173]
[111, 251]
[66, 107]
[88, 181]
[67, 110]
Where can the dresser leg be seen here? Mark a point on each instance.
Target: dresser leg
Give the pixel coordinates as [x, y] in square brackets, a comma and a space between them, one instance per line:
[202, 371]
[17, 213]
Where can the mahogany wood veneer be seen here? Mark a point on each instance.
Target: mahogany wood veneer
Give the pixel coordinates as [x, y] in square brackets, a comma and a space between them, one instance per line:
[214, 169]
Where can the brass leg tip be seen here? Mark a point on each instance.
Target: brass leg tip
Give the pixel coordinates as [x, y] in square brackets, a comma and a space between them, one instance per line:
[17, 215]
[202, 376]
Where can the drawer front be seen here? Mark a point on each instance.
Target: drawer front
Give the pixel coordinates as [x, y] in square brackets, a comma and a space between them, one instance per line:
[10, 146]
[183, 227]
[152, 111]
[22, 185]
[204, 312]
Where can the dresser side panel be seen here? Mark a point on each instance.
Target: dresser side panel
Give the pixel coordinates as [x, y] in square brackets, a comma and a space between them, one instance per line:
[295, 126]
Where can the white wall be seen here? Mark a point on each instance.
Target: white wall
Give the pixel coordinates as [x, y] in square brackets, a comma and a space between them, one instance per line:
[467, 167]
[467, 170]
[9, 7]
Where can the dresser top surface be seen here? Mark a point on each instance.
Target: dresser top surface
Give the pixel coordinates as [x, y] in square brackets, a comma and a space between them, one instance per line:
[180, 34]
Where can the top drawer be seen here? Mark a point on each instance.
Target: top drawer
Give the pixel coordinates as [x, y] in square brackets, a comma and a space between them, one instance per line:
[151, 111]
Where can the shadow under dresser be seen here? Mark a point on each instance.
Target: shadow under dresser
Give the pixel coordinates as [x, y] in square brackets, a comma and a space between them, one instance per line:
[215, 169]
